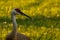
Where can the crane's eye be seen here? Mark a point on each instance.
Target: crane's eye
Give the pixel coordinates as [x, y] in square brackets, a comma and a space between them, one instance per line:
[17, 10]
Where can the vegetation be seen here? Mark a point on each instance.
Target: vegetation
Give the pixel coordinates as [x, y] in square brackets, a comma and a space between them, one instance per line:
[45, 23]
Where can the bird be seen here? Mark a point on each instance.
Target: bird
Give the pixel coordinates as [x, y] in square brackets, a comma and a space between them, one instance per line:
[14, 35]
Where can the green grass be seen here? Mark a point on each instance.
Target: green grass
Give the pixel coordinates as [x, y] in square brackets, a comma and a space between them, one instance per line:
[45, 23]
[39, 28]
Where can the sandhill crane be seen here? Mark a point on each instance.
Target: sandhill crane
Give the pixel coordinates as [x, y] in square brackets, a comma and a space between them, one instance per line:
[14, 35]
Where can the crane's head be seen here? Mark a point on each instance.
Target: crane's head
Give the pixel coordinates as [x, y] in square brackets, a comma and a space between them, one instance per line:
[18, 11]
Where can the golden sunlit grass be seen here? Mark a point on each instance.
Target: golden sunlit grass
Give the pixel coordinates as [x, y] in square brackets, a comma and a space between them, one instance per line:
[45, 27]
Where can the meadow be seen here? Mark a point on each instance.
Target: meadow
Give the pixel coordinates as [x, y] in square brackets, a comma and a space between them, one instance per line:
[45, 14]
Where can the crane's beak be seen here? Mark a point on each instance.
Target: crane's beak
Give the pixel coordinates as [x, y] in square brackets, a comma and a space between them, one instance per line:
[25, 15]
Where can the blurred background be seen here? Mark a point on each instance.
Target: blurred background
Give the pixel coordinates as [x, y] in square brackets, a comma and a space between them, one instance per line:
[45, 24]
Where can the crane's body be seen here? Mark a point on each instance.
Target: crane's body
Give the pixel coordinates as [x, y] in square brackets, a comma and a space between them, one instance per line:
[14, 35]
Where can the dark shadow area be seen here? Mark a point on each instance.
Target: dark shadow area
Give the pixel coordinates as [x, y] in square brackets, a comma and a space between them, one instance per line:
[36, 21]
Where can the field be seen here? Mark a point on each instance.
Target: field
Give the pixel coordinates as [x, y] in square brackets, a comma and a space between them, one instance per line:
[45, 14]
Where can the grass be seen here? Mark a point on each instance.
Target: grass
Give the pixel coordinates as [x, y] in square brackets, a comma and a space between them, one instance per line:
[40, 28]
[45, 23]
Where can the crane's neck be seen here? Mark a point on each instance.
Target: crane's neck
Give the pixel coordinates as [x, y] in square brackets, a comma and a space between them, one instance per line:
[14, 23]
